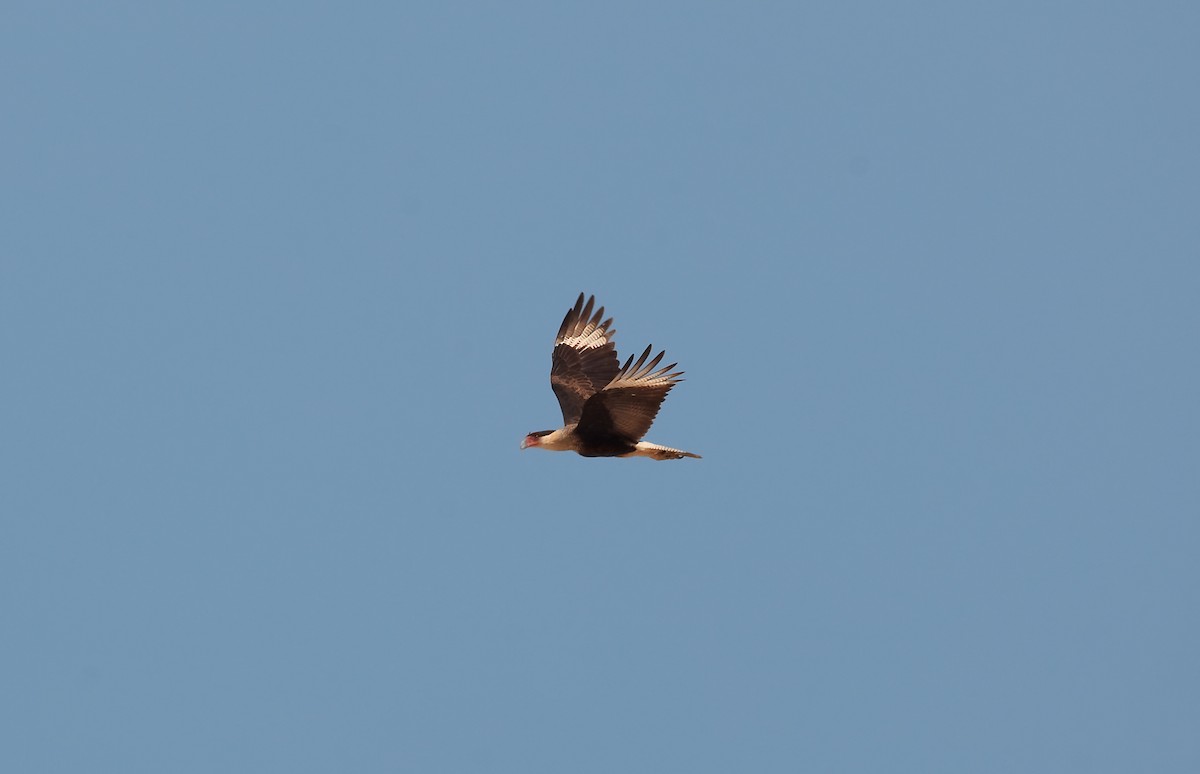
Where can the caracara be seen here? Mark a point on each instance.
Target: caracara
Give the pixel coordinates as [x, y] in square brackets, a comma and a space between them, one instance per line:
[606, 408]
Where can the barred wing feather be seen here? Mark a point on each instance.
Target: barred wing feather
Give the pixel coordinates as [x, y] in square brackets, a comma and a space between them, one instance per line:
[584, 358]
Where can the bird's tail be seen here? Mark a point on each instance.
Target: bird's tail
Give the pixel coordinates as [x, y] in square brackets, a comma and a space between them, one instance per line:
[656, 452]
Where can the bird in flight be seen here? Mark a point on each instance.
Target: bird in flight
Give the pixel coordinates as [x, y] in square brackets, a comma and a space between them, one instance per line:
[606, 407]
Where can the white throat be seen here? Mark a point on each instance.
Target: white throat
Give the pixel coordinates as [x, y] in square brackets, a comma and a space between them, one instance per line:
[562, 439]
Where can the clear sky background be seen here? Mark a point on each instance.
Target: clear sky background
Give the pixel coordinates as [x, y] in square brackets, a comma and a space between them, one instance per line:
[278, 287]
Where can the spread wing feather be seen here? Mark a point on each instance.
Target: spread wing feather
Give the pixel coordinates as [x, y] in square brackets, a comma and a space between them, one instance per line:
[627, 406]
[584, 358]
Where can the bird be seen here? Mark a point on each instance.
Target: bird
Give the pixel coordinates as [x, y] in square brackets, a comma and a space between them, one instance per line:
[606, 407]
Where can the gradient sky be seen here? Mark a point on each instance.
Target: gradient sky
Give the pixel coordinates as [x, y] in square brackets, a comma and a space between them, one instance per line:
[278, 288]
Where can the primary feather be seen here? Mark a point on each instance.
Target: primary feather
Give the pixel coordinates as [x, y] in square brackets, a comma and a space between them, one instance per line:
[584, 358]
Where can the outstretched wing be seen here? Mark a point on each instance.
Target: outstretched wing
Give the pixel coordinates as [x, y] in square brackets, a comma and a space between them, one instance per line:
[627, 406]
[584, 358]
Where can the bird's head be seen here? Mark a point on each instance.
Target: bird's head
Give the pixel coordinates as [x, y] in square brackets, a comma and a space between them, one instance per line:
[535, 439]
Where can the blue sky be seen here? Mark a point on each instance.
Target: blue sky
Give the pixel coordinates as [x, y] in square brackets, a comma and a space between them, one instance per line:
[278, 286]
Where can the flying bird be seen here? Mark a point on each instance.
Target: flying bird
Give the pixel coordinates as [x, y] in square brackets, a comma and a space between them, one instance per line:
[606, 407]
